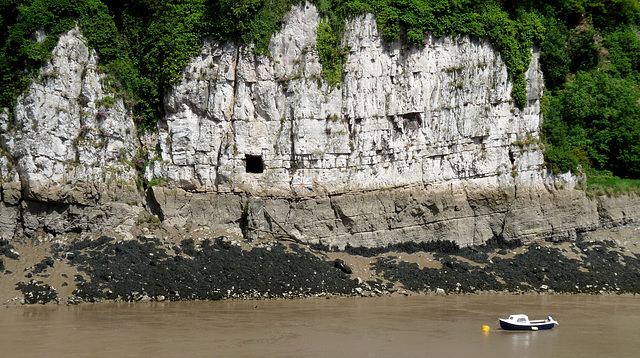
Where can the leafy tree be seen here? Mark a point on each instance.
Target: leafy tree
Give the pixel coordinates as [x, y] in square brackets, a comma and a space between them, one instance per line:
[554, 57]
[583, 50]
[623, 47]
[610, 14]
[598, 114]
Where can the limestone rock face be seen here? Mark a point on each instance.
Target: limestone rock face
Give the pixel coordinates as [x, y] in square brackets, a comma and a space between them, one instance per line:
[417, 143]
[618, 210]
[403, 115]
[70, 142]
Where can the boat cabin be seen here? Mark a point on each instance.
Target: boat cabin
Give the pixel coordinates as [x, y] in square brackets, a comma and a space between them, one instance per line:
[519, 318]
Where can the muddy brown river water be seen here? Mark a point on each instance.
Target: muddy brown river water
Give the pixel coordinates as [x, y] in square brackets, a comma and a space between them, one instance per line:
[415, 326]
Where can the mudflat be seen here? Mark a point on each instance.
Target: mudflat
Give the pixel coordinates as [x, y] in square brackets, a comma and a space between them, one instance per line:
[202, 266]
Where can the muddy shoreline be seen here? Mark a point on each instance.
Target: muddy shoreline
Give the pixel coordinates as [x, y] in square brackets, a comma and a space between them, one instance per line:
[203, 267]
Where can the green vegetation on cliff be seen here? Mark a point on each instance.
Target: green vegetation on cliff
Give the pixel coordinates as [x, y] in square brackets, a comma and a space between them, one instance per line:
[143, 45]
[590, 54]
[591, 64]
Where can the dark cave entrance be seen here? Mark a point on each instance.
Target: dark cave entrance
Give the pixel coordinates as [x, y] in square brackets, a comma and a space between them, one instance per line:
[254, 164]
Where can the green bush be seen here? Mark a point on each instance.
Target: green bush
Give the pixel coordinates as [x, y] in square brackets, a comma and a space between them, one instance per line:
[583, 51]
[623, 46]
[21, 55]
[599, 113]
[554, 56]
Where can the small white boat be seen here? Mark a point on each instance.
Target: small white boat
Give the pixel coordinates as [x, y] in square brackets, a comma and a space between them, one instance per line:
[520, 322]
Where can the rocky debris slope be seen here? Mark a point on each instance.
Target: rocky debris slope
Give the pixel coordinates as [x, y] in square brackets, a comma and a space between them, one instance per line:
[153, 269]
[200, 267]
[569, 267]
[208, 269]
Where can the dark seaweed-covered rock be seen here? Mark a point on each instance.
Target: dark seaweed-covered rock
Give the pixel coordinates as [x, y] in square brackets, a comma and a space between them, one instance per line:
[409, 247]
[499, 243]
[89, 244]
[342, 266]
[37, 292]
[149, 268]
[469, 253]
[7, 250]
[43, 265]
[134, 270]
[599, 269]
[189, 247]
[454, 276]
[536, 267]
[476, 253]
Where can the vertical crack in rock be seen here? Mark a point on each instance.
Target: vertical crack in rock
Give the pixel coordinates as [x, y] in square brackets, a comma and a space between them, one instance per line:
[216, 168]
[293, 165]
[232, 103]
[511, 157]
[390, 221]
[347, 222]
[509, 209]
[502, 227]
[154, 206]
[196, 148]
[243, 221]
[547, 218]
[21, 226]
[287, 218]
[210, 89]
[475, 239]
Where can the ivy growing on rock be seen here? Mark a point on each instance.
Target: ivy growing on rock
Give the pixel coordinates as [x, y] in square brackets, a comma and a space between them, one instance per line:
[146, 44]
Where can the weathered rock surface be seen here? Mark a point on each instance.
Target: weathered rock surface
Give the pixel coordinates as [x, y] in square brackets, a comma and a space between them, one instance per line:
[416, 144]
[402, 115]
[69, 145]
[419, 151]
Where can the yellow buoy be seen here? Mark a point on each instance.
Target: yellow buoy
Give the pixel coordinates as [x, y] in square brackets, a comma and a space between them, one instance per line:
[486, 328]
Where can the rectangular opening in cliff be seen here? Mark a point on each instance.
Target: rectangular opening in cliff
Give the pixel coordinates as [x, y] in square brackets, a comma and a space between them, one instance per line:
[254, 163]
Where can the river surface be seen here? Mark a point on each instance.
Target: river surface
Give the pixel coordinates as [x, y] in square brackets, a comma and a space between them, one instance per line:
[415, 326]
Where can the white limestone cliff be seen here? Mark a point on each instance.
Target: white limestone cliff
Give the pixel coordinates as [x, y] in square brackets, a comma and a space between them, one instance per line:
[69, 142]
[417, 143]
[403, 115]
[432, 126]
